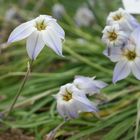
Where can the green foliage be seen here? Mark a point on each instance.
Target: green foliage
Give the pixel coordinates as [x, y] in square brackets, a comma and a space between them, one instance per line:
[35, 111]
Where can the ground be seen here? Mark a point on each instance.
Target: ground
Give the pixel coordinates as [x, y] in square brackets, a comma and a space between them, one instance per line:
[15, 134]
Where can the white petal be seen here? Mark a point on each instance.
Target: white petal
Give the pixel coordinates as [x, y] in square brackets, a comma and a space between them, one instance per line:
[121, 71]
[132, 6]
[135, 36]
[73, 112]
[35, 44]
[115, 54]
[85, 84]
[100, 84]
[62, 110]
[22, 31]
[46, 18]
[136, 68]
[83, 103]
[53, 41]
[56, 27]
[67, 109]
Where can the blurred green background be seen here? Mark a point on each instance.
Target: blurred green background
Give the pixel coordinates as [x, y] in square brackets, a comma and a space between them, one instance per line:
[35, 112]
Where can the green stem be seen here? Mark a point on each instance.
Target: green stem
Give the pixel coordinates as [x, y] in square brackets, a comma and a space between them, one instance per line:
[137, 120]
[21, 87]
[52, 134]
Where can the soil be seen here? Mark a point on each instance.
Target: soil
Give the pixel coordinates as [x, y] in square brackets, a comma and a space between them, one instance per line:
[15, 134]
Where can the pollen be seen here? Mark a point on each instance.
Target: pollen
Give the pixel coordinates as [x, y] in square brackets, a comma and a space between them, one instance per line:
[40, 25]
[131, 55]
[112, 36]
[117, 17]
[67, 96]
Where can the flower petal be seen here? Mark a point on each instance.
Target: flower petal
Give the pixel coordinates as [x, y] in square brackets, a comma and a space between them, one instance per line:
[22, 31]
[100, 84]
[56, 27]
[84, 83]
[85, 105]
[121, 71]
[132, 6]
[115, 54]
[35, 44]
[136, 68]
[62, 110]
[53, 41]
[135, 36]
[72, 109]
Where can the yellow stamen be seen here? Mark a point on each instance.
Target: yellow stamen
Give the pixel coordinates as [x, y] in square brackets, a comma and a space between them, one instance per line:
[40, 25]
[131, 55]
[117, 17]
[112, 36]
[67, 96]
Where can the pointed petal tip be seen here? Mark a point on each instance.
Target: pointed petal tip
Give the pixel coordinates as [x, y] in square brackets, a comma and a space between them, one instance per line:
[62, 55]
[10, 40]
[114, 81]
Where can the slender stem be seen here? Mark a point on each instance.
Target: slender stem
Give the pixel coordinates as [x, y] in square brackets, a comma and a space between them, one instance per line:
[60, 125]
[52, 134]
[29, 67]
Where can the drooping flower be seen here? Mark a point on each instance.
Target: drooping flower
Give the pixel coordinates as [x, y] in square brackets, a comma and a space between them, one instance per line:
[126, 21]
[58, 11]
[132, 6]
[71, 101]
[113, 36]
[89, 85]
[127, 58]
[41, 31]
[84, 17]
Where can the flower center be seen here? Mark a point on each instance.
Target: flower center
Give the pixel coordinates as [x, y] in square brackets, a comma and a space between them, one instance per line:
[117, 17]
[67, 96]
[131, 55]
[112, 36]
[40, 25]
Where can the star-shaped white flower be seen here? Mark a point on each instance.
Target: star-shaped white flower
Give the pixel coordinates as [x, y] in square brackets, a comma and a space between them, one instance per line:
[114, 36]
[71, 101]
[126, 21]
[127, 58]
[132, 6]
[89, 85]
[41, 31]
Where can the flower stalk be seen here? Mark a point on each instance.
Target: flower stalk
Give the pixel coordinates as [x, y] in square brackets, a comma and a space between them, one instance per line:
[52, 134]
[29, 67]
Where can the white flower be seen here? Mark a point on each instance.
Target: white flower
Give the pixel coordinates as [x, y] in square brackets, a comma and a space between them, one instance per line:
[84, 17]
[72, 101]
[132, 6]
[88, 85]
[113, 36]
[127, 58]
[58, 10]
[39, 32]
[126, 21]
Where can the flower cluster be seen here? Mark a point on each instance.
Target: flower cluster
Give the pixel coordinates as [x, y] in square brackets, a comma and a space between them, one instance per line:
[72, 97]
[121, 35]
